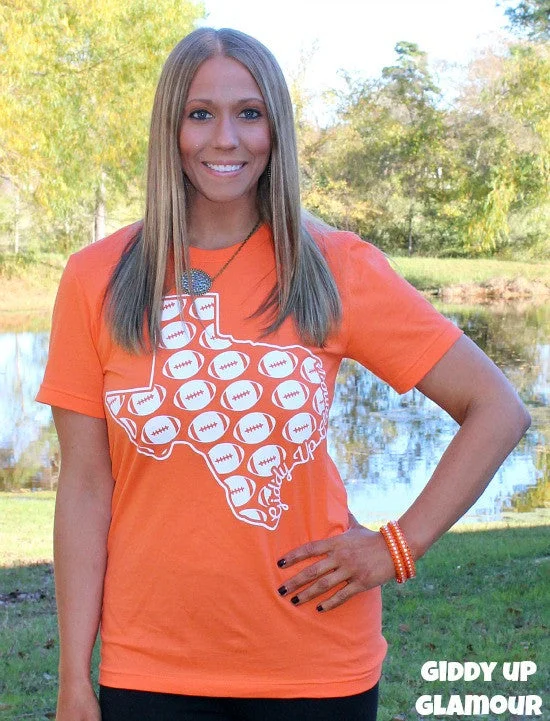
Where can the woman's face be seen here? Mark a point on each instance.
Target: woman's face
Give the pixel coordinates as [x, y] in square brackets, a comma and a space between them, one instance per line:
[224, 140]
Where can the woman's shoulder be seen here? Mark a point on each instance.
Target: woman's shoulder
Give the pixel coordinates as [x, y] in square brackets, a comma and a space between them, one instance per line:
[345, 250]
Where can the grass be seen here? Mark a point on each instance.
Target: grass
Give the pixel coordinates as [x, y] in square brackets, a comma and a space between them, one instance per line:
[26, 520]
[432, 274]
[481, 595]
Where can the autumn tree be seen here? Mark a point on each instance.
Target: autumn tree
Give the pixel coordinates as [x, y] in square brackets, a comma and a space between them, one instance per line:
[382, 161]
[502, 130]
[77, 81]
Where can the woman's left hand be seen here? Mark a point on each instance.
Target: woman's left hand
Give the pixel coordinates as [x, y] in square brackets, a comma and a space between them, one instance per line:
[359, 558]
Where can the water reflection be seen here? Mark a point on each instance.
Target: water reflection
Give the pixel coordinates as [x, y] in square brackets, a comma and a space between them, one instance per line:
[28, 447]
[385, 445]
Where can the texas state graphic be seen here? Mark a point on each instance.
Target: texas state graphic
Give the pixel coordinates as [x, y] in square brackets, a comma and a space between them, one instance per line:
[206, 390]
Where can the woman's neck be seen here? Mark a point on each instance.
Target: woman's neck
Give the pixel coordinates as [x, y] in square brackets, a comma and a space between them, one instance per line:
[220, 227]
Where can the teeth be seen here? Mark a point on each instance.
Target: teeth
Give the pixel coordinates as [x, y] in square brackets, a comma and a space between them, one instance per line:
[224, 168]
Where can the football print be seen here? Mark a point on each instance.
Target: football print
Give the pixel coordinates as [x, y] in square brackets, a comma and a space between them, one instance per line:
[240, 489]
[160, 430]
[263, 460]
[241, 395]
[278, 364]
[114, 402]
[290, 395]
[143, 404]
[172, 307]
[310, 370]
[184, 364]
[254, 514]
[228, 365]
[226, 457]
[319, 402]
[177, 334]
[299, 428]
[251, 411]
[194, 395]
[203, 308]
[254, 428]
[208, 427]
[209, 339]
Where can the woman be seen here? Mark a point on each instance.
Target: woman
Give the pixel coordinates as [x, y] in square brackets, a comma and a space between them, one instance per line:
[192, 364]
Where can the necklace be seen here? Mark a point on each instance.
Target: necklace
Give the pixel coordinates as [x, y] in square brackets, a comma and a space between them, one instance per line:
[201, 282]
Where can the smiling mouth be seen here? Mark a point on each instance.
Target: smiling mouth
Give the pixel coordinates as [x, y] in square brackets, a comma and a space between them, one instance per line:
[224, 168]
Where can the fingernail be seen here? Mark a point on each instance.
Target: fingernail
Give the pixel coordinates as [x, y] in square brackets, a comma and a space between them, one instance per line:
[320, 608]
[282, 590]
[281, 563]
[294, 600]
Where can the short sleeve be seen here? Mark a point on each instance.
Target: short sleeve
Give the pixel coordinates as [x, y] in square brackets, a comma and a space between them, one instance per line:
[73, 378]
[391, 328]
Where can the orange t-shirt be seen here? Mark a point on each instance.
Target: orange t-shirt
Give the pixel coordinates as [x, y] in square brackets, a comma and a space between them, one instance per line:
[220, 464]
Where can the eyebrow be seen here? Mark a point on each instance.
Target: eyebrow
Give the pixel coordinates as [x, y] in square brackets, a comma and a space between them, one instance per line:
[238, 102]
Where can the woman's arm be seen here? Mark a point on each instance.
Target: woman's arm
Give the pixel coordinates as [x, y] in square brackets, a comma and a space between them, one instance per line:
[82, 518]
[492, 420]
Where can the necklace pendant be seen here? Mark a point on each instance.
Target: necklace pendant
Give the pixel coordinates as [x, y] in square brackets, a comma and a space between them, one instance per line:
[201, 282]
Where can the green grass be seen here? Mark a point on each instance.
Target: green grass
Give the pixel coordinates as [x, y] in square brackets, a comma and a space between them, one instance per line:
[435, 273]
[26, 524]
[480, 595]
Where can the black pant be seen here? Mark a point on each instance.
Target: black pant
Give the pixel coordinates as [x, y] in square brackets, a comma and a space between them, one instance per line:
[123, 705]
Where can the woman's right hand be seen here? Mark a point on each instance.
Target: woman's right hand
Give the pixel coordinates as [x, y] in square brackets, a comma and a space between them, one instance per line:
[77, 703]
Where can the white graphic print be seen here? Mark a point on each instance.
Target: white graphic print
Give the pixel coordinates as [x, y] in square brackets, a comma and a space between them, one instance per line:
[250, 447]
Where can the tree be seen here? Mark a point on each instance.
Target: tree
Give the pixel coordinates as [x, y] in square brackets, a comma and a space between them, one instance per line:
[77, 82]
[410, 173]
[504, 145]
[530, 18]
[382, 164]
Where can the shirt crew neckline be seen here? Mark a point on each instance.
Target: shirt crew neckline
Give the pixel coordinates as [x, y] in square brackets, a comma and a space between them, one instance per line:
[221, 255]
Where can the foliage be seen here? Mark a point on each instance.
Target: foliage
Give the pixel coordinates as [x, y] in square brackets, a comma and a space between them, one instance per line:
[530, 17]
[379, 165]
[77, 81]
[504, 128]
[410, 173]
[399, 165]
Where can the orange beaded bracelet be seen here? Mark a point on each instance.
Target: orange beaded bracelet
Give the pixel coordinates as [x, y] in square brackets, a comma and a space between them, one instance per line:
[399, 551]
[403, 546]
[400, 573]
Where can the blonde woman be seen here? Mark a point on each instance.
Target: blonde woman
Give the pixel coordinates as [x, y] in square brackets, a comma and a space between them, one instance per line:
[200, 521]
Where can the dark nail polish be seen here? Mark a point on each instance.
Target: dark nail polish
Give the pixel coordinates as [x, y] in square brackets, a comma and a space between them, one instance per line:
[294, 600]
[320, 608]
[281, 563]
[282, 590]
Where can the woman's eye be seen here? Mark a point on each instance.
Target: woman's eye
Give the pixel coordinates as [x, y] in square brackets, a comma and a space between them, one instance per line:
[251, 113]
[200, 115]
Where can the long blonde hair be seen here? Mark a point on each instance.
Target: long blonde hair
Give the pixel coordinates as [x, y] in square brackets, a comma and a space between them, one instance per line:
[305, 288]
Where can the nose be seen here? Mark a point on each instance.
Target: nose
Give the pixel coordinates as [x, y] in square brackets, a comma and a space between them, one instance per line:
[226, 133]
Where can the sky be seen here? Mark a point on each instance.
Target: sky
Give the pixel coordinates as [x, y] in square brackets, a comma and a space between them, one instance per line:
[359, 36]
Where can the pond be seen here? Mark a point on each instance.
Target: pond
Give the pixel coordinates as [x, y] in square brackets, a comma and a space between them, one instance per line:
[385, 445]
